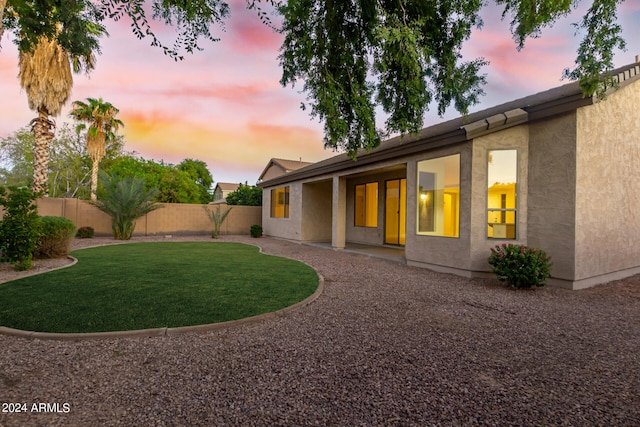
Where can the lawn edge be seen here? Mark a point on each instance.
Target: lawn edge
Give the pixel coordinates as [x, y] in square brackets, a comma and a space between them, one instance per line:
[158, 332]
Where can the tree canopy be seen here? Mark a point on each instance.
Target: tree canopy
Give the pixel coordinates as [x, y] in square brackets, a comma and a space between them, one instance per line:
[351, 56]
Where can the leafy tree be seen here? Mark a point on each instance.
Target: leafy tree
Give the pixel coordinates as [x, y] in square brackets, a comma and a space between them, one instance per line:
[69, 163]
[401, 55]
[19, 229]
[101, 117]
[174, 185]
[53, 37]
[245, 195]
[199, 173]
[124, 200]
[352, 55]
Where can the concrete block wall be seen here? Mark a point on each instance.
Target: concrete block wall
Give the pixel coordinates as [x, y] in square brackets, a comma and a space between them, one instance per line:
[171, 218]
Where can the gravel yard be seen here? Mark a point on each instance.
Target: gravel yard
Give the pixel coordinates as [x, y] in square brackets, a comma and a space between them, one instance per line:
[385, 344]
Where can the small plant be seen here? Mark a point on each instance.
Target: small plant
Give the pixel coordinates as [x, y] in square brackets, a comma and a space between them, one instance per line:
[85, 232]
[19, 229]
[256, 230]
[217, 218]
[56, 238]
[520, 266]
[124, 200]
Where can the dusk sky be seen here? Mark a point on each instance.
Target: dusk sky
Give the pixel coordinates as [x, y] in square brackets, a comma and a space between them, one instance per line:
[225, 106]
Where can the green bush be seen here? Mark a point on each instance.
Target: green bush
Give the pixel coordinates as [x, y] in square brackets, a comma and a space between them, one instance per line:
[520, 266]
[56, 238]
[256, 230]
[19, 229]
[85, 232]
[124, 200]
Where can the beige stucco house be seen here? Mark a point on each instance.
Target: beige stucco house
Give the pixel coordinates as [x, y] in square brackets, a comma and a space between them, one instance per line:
[554, 170]
[279, 167]
[222, 190]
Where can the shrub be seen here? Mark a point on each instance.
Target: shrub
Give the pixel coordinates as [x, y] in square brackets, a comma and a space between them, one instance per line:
[520, 266]
[56, 238]
[217, 218]
[124, 200]
[19, 229]
[85, 232]
[256, 230]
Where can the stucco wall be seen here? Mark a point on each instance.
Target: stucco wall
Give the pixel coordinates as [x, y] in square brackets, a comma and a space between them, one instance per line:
[552, 182]
[287, 228]
[172, 218]
[316, 211]
[608, 185]
[513, 138]
[369, 235]
[441, 253]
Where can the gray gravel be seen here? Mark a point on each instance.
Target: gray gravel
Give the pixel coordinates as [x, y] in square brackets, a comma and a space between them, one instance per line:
[385, 344]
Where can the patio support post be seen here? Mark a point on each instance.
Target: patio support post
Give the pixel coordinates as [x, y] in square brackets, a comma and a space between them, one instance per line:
[339, 212]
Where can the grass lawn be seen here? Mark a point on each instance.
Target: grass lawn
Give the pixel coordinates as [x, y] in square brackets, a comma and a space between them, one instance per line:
[153, 285]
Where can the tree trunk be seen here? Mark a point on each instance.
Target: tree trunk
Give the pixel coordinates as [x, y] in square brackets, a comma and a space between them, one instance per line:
[94, 179]
[96, 148]
[43, 133]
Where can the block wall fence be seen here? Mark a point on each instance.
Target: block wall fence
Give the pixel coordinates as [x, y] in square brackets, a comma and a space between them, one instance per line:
[170, 219]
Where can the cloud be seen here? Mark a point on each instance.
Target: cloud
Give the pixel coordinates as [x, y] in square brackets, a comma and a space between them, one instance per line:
[248, 35]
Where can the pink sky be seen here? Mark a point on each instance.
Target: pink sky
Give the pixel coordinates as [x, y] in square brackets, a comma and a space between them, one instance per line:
[225, 106]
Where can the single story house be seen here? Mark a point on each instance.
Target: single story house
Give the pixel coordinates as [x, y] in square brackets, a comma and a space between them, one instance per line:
[555, 170]
[278, 167]
[222, 190]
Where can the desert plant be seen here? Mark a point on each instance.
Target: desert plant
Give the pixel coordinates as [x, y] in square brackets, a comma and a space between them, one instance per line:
[56, 237]
[19, 229]
[124, 200]
[85, 232]
[217, 218]
[256, 230]
[520, 266]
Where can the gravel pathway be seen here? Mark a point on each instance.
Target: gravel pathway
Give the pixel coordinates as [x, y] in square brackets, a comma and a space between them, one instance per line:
[385, 344]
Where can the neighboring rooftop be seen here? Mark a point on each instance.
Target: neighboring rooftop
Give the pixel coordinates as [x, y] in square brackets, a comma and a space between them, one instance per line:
[278, 167]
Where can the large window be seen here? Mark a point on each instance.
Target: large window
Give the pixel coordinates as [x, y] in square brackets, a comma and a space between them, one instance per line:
[439, 196]
[502, 172]
[280, 202]
[366, 205]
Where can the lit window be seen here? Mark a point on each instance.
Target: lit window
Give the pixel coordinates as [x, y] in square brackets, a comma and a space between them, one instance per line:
[366, 205]
[502, 171]
[439, 196]
[280, 202]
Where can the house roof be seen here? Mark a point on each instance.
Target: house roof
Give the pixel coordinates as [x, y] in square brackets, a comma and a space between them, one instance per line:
[531, 108]
[286, 165]
[226, 186]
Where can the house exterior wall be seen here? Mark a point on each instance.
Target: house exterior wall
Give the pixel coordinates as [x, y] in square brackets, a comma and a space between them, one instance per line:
[435, 252]
[287, 228]
[608, 186]
[369, 235]
[513, 138]
[551, 209]
[273, 171]
[316, 211]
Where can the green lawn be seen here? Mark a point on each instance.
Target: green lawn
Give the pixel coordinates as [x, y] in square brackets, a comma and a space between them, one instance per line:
[153, 285]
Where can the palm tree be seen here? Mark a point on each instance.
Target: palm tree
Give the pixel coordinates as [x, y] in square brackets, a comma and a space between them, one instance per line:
[125, 200]
[101, 117]
[45, 74]
[53, 38]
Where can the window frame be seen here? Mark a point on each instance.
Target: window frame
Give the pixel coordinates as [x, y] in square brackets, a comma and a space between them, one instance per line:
[276, 193]
[438, 209]
[504, 211]
[366, 205]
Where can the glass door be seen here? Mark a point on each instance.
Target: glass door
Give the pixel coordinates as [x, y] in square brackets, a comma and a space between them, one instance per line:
[395, 212]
